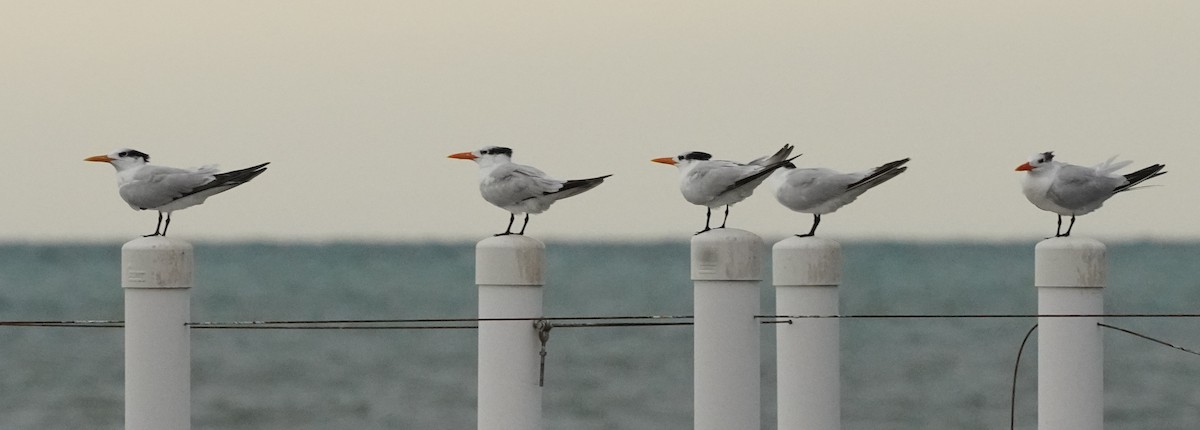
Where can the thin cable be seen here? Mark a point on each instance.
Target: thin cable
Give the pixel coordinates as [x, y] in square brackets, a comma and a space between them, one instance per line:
[85, 323]
[218, 326]
[969, 316]
[437, 320]
[1162, 342]
[1012, 407]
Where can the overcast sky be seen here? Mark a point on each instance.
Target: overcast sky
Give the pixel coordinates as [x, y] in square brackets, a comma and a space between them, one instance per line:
[357, 104]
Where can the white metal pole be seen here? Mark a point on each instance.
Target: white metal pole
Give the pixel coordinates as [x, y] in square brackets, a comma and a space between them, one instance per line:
[806, 274]
[726, 270]
[508, 270]
[156, 275]
[1070, 274]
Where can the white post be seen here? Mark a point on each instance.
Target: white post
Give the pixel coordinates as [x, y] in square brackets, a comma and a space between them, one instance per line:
[1070, 274]
[726, 269]
[156, 275]
[806, 274]
[508, 270]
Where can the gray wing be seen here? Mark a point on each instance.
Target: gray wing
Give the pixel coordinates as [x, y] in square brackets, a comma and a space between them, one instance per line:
[154, 186]
[1076, 187]
[817, 185]
[513, 183]
[716, 177]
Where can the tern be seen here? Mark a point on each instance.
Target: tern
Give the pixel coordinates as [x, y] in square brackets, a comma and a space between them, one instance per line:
[520, 189]
[1070, 190]
[820, 191]
[715, 183]
[167, 189]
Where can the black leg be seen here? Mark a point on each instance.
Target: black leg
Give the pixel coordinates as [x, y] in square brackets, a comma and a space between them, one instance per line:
[1069, 227]
[156, 227]
[726, 217]
[707, 218]
[522, 233]
[508, 230]
[812, 231]
[167, 225]
[1058, 230]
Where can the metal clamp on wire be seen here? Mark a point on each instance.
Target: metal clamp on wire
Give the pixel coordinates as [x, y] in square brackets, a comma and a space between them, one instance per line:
[543, 328]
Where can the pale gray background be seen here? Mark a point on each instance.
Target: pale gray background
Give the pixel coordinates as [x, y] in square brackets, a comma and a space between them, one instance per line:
[358, 103]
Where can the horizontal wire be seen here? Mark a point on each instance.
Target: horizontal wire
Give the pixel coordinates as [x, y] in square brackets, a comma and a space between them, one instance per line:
[970, 316]
[440, 320]
[441, 323]
[331, 327]
[85, 323]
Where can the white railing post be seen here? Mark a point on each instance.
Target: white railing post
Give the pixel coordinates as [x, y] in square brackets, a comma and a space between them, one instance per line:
[806, 274]
[726, 270]
[156, 275]
[508, 271]
[1070, 274]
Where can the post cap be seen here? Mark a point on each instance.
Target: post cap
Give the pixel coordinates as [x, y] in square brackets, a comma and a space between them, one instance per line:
[510, 260]
[156, 262]
[1070, 262]
[806, 261]
[727, 254]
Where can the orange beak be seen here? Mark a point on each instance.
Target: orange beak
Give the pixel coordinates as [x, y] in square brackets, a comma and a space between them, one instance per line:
[100, 158]
[464, 156]
[665, 160]
[1024, 167]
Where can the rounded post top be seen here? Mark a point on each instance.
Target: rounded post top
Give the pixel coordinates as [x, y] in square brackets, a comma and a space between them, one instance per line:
[156, 262]
[1070, 262]
[806, 261]
[727, 254]
[510, 260]
[1070, 242]
[807, 243]
[155, 243]
[510, 241]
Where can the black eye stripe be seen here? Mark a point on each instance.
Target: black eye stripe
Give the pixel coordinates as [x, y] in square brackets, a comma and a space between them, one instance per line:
[134, 153]
[496, 150]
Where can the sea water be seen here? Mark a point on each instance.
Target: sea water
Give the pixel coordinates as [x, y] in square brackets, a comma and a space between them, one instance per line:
[926, 373]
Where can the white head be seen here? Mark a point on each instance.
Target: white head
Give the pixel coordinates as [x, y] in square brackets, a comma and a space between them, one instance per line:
[1036, 161]
[685, 159]
[123, 158]
[487, 155]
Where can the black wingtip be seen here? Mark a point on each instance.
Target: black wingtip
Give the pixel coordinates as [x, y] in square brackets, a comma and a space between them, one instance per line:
[882, 173]
[1135, 178]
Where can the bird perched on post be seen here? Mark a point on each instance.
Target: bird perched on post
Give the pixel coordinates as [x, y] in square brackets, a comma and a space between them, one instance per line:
[520, 189]
[145, 186]
[715, 183]
[820, 191]
[1070, 190]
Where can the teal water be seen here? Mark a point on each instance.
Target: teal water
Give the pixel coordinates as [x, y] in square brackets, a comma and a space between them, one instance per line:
[896, 373]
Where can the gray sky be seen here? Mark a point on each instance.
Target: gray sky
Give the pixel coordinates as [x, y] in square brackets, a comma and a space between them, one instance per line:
[357, 104]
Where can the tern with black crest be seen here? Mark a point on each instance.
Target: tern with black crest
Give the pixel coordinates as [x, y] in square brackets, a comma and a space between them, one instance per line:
[820, 191]
[715, 183]
[1070, 190]
[520, 189]
[146, 186]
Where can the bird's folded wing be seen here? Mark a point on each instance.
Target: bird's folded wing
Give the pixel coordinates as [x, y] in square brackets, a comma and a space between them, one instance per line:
[509, 185]
[537, 180]
[154, 186]
[1076, 187]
